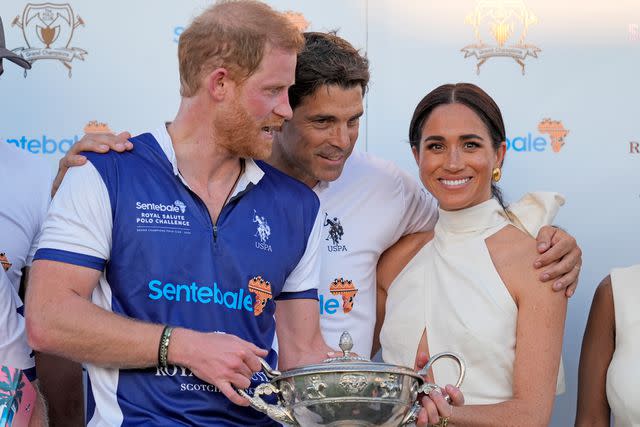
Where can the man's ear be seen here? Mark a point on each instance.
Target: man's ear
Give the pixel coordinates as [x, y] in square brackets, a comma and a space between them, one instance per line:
[218, 83]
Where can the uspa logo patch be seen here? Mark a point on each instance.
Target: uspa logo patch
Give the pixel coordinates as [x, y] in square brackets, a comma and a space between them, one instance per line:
[507, 22]
[48, 30]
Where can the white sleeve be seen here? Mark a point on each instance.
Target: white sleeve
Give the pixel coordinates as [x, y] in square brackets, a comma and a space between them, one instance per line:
[420, 212]
[14, 350]
[79, 224]
[44, 200]
[306, 275]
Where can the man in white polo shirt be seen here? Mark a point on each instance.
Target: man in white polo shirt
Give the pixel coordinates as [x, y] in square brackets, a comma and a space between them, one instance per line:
[367, 203]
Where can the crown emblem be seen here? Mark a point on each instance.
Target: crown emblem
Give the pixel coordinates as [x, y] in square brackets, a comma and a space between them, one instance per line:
[95, 126]
[262, 289]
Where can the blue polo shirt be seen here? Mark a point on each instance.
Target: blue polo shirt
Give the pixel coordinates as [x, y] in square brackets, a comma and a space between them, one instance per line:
[134, 218]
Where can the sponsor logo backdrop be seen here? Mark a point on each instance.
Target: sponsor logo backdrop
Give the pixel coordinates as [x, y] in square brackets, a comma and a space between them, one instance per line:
[566, 80]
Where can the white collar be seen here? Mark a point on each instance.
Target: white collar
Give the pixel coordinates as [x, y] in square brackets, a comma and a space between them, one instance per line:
[252, 173]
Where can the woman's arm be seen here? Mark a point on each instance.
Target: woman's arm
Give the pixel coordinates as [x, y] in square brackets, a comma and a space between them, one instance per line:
[539, 332]
[390, 264]
[598, 345]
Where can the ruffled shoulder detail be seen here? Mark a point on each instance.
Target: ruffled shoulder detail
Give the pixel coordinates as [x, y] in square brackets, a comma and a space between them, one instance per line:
[535, 210]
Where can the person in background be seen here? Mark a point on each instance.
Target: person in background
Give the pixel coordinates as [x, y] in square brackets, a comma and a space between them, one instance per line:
[608, 375]
[23, 207]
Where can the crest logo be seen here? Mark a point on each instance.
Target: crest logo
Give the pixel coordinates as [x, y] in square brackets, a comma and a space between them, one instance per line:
[262, 289]
[48, 29]
[347, 290]
[336, 232]
[263, 232]
[506, 20]
[95, 126]
[4, 262]
[634, 147]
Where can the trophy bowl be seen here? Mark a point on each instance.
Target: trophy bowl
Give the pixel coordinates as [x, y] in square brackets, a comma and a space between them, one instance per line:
[346, 391]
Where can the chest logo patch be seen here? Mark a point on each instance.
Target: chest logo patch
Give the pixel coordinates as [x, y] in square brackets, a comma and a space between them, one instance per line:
[263, 232]
[347, 290]
[335, 234]
[262, 289]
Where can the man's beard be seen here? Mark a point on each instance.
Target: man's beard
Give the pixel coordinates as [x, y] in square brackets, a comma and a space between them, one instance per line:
[237, 132]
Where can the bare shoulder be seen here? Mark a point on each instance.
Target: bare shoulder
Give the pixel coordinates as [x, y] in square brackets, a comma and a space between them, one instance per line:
[513, 253]
[394, 259]
[512, 247]
[603, 298]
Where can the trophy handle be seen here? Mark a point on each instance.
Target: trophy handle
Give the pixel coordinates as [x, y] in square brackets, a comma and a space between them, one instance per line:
[276, 412]
[412, 415]
[426, 388]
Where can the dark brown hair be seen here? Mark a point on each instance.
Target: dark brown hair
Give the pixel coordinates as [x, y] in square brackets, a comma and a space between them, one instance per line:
[327, 59]
[471, 96]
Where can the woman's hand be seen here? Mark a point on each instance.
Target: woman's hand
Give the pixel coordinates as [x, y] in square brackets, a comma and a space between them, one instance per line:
[435, 408]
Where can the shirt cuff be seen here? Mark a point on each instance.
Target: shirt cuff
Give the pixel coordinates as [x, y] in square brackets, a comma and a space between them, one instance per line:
[70, 258]
[308, 294]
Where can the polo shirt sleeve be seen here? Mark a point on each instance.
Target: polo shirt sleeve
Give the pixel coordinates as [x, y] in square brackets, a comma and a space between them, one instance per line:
[304, 280]
[14, 350]
[43, 202]
[78, 227]
[420, 212]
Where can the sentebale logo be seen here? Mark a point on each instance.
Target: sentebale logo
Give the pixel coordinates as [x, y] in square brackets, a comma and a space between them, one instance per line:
[200, 294]
[552, 134]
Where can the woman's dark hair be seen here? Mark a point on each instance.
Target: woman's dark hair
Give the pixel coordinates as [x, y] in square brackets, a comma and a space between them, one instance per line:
[471, 96]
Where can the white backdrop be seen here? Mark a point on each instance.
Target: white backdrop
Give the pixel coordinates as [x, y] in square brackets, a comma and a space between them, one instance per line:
[585, 76]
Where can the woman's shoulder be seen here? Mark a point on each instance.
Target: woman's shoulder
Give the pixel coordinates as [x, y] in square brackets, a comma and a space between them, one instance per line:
[512, 246]
[514, 253]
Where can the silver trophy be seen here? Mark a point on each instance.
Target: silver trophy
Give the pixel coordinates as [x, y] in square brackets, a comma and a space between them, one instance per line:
[346, 391]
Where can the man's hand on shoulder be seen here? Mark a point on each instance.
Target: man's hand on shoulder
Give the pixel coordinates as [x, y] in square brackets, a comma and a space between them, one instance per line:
[94, 142]
[223, 360]
[560, 259]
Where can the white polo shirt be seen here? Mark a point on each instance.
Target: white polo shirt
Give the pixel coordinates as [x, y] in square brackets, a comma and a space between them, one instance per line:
[366, 210]
[26, 188]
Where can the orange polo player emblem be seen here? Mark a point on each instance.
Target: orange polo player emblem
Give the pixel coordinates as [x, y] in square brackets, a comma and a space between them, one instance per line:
[262, 289]
[347, 290]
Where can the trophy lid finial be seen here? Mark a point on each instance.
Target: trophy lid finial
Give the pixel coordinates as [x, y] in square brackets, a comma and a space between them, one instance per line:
[346, 343]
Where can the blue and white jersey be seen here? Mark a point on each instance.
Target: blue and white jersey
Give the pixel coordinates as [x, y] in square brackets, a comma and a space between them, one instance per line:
[132, 216]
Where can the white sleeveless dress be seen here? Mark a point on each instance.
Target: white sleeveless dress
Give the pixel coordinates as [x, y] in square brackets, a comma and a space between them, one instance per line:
[452, 288]
[623, 375]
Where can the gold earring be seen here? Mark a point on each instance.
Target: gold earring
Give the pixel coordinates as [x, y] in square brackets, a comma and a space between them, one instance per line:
[496, 174]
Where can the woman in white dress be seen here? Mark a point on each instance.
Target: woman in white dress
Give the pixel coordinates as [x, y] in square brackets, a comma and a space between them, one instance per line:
[609, 374]
[469, 285]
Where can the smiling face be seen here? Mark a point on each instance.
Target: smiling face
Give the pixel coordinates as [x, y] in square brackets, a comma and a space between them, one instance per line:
[456, 157]
[314, 145]
[260, 106]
